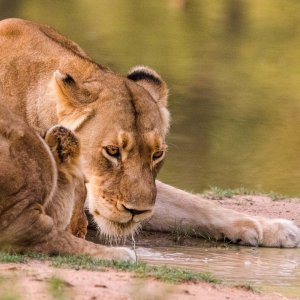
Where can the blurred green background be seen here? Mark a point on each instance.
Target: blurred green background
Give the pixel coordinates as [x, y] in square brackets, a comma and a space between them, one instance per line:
[233, 68]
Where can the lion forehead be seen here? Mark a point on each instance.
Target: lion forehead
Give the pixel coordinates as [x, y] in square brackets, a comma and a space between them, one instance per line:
[125, 118]
[128, 140]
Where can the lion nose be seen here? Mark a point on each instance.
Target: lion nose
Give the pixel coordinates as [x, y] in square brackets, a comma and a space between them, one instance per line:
[134, 212]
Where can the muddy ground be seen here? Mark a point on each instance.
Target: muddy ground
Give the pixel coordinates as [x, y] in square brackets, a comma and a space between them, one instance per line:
[37, 280]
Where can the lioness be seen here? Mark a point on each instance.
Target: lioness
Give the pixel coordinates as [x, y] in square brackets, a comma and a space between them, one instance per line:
[122, 124]
[39, 190]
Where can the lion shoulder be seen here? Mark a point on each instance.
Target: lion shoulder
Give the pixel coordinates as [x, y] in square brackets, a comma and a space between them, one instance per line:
[46, 174]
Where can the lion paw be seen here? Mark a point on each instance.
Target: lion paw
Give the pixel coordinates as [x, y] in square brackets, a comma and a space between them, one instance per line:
[280, 233]
[121, 254]
[245, 231]
[265, 232]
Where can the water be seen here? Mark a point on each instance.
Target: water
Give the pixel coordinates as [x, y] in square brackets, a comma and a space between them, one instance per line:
[233, 68]
[269, 269]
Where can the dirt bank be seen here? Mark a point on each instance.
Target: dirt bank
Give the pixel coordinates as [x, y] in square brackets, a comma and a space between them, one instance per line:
[265, 206]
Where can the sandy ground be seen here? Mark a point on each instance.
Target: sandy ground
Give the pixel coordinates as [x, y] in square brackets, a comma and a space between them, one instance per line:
[265, 206]
[35, 279]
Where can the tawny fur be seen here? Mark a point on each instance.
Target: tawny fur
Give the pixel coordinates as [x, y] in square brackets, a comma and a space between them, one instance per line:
[39, 189]
[47, 79]
[67, 208]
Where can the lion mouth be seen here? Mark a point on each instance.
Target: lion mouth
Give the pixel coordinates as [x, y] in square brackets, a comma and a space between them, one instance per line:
[111, 229]
[116, 228]
[112, 222]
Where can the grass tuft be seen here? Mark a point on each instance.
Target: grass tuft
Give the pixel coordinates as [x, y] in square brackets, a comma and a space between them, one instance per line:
[12, 258]
[179, 232]
[276, 196]
[176, 275]
[218, 193]
[164, 273]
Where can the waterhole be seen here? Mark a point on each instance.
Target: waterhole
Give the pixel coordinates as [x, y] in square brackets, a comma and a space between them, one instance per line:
[276, 270]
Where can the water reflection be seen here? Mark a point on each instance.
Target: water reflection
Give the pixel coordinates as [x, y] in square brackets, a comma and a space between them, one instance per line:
[257, 266]
[233, 70]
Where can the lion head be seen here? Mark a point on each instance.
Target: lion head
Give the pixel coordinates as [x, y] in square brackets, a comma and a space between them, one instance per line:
[122, 124]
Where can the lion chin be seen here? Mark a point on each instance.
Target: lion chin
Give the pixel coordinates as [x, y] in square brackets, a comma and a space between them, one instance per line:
[114, 231]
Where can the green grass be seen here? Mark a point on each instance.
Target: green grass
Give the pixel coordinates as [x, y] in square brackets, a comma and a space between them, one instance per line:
[218, 193]
[168, 274]
[164, 273]
[276, 196]
[11, 258]
[179, 233]
[176, 275]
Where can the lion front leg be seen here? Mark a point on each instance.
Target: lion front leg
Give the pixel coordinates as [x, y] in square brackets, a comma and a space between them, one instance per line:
[63, 242]
[34, 231]
[207, 219]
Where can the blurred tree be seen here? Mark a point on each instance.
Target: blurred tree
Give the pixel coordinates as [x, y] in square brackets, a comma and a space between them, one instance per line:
[9, 8]
[235, 12]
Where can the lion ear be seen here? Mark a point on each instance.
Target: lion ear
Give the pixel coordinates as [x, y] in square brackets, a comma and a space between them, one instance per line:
[76, 93]
[73, 97]
[152, 82]
[63, 144]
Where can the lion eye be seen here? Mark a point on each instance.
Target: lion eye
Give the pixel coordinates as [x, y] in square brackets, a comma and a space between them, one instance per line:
[157, 155]
[113, 151]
